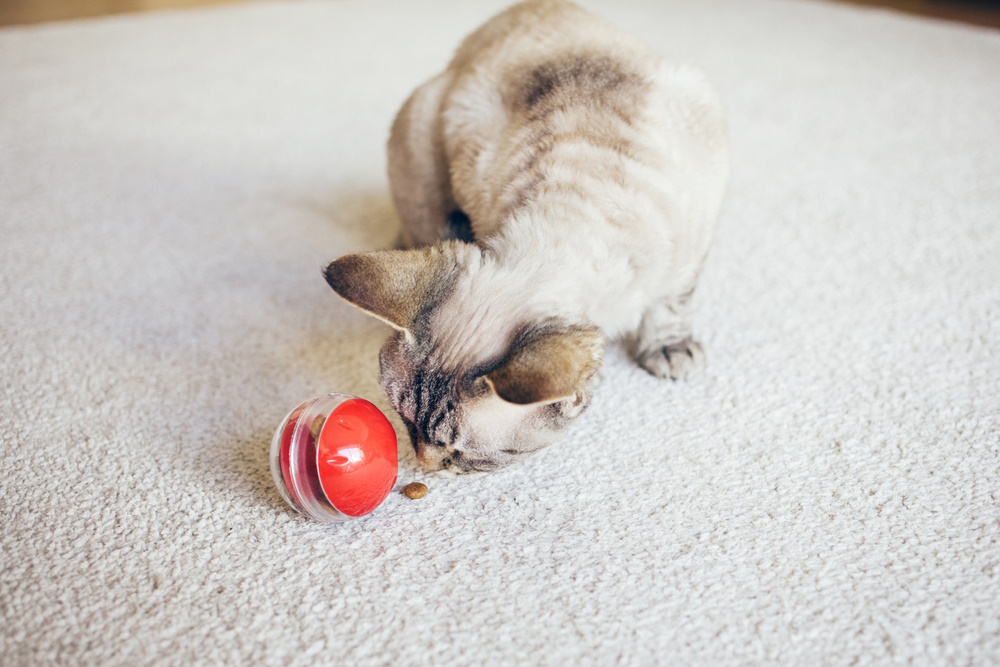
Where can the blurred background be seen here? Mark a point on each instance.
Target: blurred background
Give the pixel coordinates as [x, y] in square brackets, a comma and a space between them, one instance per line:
[14, 12]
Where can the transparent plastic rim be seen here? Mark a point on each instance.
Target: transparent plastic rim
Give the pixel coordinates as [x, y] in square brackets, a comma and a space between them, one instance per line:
[302, 490]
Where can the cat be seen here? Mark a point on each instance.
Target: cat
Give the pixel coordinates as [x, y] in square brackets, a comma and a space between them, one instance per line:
[558, 186]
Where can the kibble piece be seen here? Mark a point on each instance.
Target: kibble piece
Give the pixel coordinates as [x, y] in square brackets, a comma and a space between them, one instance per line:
[415, 490]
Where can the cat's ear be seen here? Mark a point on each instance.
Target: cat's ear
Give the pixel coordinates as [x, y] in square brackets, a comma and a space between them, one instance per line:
[392, 285]
[548, 367]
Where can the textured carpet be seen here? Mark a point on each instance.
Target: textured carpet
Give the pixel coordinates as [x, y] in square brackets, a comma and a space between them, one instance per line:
[829, 493]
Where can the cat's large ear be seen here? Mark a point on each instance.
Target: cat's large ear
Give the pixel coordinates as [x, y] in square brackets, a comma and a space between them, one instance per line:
[550, 366]
[392, 285]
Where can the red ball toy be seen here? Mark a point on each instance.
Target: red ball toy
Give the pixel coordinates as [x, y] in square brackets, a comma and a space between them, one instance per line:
[334, 458]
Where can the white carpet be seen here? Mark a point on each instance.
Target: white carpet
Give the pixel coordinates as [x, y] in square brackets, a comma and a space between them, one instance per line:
[170, 186]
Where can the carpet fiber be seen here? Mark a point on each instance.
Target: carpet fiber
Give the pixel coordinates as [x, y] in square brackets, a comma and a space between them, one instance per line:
[828, 493]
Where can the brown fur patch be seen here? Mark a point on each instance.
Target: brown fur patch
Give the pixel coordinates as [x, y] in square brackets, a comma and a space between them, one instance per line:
[588, 98]
[577, 79]
[393, 285]
[548, 366]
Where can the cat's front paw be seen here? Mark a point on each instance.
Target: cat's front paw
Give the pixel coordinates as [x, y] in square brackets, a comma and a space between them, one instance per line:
[680, 361]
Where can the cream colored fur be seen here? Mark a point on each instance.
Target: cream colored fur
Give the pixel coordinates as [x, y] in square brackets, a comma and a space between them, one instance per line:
[592, 173]
[624, 251]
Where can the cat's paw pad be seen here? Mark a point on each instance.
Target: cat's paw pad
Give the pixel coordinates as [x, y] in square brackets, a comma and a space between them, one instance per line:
[680, 361]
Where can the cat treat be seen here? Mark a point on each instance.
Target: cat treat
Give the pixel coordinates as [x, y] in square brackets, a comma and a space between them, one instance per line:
[333, 458]
[415, 490]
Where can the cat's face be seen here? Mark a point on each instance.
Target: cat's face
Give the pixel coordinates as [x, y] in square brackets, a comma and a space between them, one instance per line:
[457, 421]
[474, 397]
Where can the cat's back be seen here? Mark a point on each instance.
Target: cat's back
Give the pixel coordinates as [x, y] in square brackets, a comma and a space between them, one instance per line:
[553, 106]
[539, 70]
[502, 53]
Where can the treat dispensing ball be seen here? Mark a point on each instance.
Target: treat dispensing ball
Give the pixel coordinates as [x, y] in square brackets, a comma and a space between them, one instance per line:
[334, 458]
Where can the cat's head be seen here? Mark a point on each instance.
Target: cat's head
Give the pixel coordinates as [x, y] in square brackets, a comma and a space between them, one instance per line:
[478, 379]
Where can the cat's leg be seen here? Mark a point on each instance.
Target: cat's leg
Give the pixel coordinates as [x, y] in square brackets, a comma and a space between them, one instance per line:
[663, 342]
[418, 170]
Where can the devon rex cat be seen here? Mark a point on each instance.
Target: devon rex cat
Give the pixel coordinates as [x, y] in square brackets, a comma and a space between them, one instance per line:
[592, 174]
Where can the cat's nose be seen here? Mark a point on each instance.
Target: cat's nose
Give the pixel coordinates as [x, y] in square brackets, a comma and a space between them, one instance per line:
[418, 447]
[431, 457]
[421, 448]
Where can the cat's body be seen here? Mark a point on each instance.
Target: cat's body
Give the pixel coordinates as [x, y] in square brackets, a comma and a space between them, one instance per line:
[592, 174]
